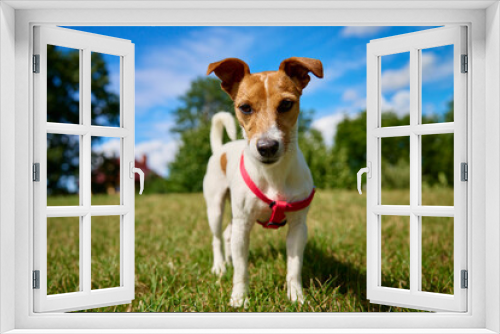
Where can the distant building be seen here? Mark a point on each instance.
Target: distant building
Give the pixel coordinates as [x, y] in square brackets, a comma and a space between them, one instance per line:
[105, 176]
[143, 165]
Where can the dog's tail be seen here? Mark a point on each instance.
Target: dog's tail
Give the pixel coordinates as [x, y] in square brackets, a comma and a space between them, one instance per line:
[220, 121]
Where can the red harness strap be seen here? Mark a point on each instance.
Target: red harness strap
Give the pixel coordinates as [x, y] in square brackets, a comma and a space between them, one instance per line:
[279, 208]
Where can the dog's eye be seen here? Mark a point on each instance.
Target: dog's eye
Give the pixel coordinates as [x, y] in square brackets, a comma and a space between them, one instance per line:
[246, 109]
[285, 106]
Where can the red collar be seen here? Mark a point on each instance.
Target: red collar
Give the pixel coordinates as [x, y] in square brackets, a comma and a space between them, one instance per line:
[279, 208]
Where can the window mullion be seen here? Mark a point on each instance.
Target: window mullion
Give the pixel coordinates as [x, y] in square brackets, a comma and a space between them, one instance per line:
[86, 170]
[418, 92]
[81, 179]
[415, 247]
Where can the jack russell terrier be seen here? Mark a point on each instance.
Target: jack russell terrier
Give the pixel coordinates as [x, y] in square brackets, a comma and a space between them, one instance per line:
[265, 175]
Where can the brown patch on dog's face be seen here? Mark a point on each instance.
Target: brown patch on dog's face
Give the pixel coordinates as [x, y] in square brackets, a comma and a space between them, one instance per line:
[264, 93]
[223, 162]
[267, 103]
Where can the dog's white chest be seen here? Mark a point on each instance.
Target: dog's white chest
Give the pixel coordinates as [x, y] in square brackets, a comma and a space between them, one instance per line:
[261, 210]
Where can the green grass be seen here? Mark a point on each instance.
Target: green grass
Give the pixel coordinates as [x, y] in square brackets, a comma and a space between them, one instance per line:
[174, 256]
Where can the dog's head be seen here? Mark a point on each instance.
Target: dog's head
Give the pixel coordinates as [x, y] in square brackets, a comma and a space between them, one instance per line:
[267, 103]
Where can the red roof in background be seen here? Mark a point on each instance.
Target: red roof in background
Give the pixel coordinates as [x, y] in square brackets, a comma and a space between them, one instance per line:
[99, 176]
[143, 165]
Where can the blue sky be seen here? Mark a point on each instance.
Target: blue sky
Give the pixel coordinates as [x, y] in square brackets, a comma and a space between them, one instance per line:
[169, 58]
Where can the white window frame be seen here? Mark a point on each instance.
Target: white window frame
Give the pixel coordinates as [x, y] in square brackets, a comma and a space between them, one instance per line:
[483, 21]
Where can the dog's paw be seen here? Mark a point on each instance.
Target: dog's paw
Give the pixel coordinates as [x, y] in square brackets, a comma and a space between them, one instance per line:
[238, 302]
[298, 299]
[219, 268]
[296, 296]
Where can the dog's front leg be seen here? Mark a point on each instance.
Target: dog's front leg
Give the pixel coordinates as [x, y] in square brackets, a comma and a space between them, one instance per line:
[295, 243]
[240, 240]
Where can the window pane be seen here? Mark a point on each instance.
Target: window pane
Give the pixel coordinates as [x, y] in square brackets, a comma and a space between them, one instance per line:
[395, 171]
[105, 89]
[437, 169]
[63, 255]
[395, 89]
[63, 85]
[437, 254]
[395, 251]
[105, 252]
[63, 169]
[105, 171]
[437, 84]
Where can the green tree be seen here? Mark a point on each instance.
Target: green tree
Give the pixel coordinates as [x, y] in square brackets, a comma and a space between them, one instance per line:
[437, 153]
[350, 141]
[317, 156]
[204, 99]
[349, 152]
[188, 168]
[63, 107]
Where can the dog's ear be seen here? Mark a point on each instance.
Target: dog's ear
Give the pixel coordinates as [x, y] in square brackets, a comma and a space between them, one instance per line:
[298, 68]
[231, 71]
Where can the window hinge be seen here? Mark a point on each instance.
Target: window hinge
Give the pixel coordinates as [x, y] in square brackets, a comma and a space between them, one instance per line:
[464, 172]
[465, 64]
[36, 172]
[36, 63]
[36, 279]
[465, 279]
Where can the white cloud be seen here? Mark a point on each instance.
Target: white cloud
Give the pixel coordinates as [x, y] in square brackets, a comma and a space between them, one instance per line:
[356, 99]
[159, 154]
[110, 148]
[398, 103]
[350, 94]
[161, 130]
[433, 69]
[395, 79]
[160, 146]
[360, 31]
[333, 70]
[166, 71]
[429, 109]
[355, 102]
[327, 125]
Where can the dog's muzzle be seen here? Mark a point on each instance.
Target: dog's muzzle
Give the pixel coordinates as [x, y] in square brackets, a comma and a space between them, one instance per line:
[267, 147]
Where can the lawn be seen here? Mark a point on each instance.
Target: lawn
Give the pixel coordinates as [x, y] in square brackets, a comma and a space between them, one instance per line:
[174, 256]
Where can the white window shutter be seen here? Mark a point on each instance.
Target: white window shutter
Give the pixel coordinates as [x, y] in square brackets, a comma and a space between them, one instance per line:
[85, 298]
[414, 297]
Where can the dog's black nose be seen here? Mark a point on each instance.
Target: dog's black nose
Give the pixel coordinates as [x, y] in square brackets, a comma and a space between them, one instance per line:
[267, 147]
